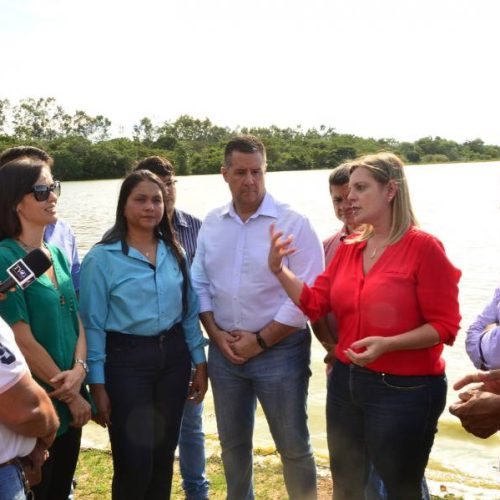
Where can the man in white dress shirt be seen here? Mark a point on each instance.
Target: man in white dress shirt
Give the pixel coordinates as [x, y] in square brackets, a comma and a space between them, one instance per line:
[260, 344]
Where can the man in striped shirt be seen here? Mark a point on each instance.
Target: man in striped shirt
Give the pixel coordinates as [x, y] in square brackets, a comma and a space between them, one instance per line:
[192, 438]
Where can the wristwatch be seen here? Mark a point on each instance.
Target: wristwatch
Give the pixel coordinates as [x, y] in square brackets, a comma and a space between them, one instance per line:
[261, 341]
[83, 363]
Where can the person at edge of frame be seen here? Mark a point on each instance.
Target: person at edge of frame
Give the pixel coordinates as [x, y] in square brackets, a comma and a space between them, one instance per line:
[28, 420]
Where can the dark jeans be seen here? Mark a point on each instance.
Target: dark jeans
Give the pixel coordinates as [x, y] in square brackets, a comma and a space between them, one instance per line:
[59, 468]
[387, 420]
[147, 382]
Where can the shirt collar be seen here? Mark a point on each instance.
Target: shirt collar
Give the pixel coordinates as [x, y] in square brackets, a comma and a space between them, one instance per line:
[267, 208]
[179, 219]
[117, 245]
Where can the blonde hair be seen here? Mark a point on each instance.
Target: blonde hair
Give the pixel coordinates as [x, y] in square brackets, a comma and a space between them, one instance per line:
[386, 167]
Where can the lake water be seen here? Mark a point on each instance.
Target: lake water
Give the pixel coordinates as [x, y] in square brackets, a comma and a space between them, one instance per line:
[458, 203]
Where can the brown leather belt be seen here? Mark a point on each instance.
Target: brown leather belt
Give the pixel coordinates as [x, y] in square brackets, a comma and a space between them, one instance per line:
[13, 461]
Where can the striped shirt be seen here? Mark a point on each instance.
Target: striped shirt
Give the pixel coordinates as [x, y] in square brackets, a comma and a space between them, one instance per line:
[186, 227]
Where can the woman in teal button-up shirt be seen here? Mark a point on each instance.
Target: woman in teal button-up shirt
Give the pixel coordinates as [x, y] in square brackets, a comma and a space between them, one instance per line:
[141, 316]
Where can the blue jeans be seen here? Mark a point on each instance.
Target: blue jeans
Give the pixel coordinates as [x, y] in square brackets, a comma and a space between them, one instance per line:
[11, 483]
[147, 382]
[279, 379]
[192, 452]
[387, 420]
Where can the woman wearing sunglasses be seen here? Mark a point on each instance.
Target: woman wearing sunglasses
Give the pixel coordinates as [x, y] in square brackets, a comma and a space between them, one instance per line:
[44, 316]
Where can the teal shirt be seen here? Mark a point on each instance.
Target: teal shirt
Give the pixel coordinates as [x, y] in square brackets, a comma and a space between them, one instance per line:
[50, 312]
[123, 292]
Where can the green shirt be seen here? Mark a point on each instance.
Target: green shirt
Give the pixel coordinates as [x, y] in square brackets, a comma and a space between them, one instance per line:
[50, 312]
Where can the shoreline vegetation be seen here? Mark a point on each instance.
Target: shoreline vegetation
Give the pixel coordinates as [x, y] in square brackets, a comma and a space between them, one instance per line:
[83, 148]
[94, 473]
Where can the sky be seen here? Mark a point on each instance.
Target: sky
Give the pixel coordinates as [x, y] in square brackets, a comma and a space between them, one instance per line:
[401, 69]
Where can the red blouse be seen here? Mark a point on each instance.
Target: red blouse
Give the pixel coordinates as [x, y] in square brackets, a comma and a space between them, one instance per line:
[411, 284]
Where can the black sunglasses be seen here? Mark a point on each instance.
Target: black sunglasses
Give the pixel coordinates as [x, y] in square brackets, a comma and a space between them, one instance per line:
[41, 192]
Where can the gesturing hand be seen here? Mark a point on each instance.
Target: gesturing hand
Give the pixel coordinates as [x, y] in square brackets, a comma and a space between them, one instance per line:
[488, 381]
[279, 248]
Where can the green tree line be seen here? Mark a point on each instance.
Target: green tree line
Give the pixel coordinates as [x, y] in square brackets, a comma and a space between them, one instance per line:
[83, 149]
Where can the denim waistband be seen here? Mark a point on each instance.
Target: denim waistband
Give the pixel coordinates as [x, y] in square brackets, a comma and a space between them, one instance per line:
[353, 368]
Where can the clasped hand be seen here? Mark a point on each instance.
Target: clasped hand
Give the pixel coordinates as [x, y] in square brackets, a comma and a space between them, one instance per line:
[71, 382]
[478, 407]
[238, 346]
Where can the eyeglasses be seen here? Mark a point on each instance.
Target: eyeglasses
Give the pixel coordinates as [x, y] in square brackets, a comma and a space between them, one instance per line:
[170, 184]
[41, 192]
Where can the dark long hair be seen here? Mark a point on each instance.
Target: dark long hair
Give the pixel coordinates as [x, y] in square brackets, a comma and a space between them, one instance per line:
[163, 231]
[17, 177]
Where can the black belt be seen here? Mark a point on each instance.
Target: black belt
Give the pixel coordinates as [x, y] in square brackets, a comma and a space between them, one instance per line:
[130, 338]
[144, 338]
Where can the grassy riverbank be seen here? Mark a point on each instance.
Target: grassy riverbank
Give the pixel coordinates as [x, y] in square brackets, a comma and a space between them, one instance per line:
[95, 470]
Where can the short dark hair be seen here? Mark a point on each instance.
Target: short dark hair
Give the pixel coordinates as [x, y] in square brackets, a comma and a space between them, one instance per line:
[17, 177]
[244, 144]
[159, 165]
[18, 152]
[340, 175]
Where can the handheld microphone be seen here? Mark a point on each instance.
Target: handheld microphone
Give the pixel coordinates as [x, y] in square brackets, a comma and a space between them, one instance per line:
[24, 271]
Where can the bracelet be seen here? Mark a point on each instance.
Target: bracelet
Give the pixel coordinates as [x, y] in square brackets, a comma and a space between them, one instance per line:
[83, 364]
[261, 342]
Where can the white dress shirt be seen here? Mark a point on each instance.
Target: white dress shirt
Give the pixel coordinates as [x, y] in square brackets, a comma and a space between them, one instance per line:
[230, 271]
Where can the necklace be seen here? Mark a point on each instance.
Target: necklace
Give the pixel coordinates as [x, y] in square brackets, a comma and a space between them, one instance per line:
[375, 251]
[28, 248]
[148, 251]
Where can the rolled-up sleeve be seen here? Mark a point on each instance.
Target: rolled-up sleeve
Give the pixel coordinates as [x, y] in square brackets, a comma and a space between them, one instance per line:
[192, 331]
[94, 311]
[483, 347]
[315, 300]
[306, 263]
[437, 291]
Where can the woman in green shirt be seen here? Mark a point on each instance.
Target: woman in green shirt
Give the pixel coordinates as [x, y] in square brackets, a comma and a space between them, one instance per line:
[44, 316]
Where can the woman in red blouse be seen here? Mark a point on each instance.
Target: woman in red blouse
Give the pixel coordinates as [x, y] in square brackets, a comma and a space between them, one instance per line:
[395, 295]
